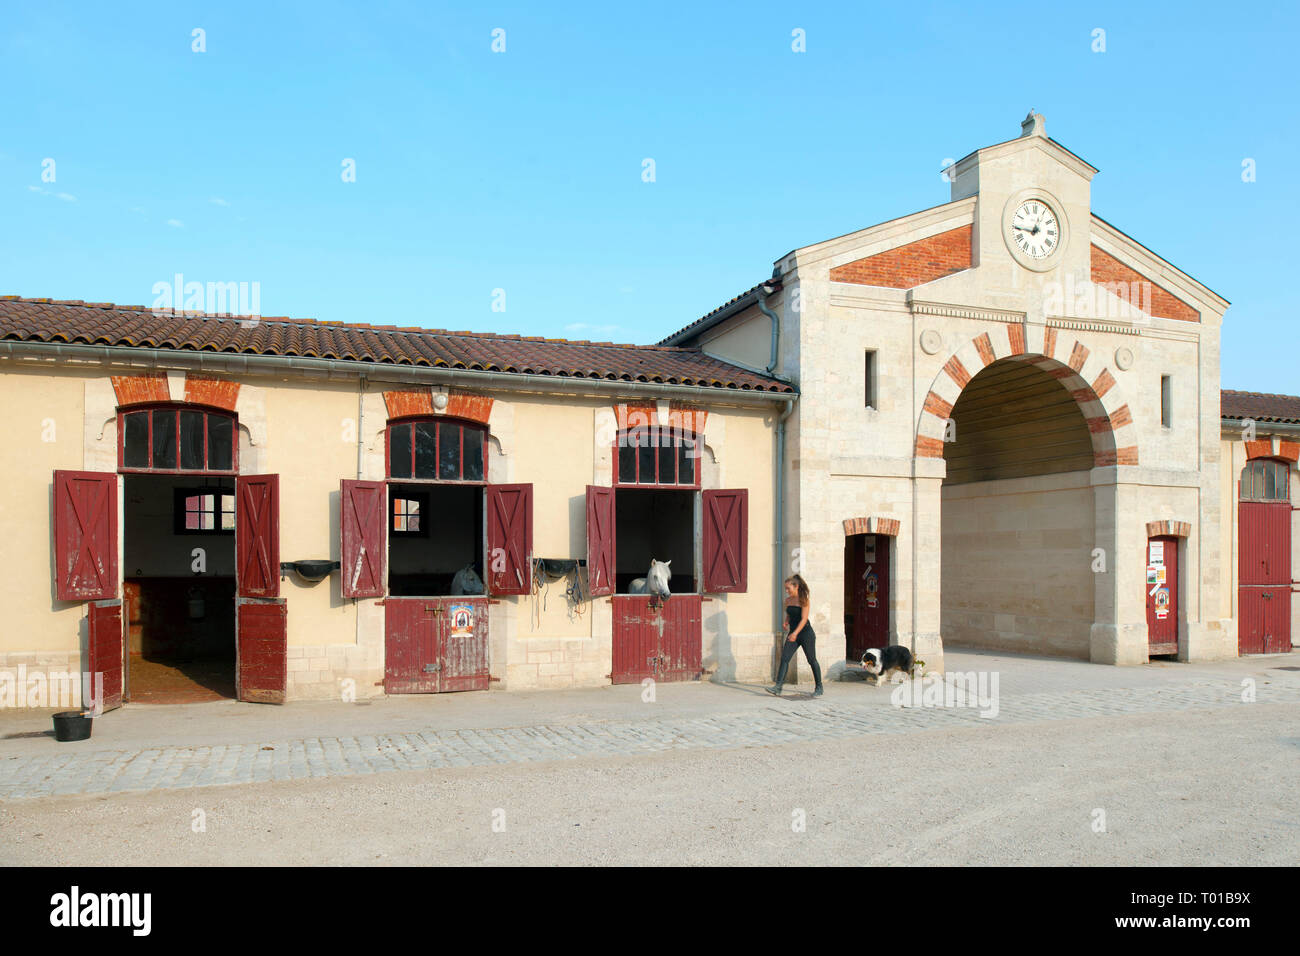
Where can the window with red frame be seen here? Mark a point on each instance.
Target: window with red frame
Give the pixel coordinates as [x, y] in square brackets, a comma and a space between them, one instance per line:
[437, 451]
[657, 456]
[176, 439]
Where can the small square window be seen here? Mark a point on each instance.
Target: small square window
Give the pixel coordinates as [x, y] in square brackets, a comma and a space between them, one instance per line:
[204, 511]
[409, 515]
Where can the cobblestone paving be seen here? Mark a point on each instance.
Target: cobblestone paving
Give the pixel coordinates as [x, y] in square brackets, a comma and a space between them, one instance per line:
[783, 722]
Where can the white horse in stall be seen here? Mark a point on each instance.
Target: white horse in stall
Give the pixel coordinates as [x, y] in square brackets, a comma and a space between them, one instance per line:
[655, 583]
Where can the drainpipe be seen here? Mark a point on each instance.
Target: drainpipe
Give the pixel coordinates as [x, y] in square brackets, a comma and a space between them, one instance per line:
[778, 538]
[764, 291]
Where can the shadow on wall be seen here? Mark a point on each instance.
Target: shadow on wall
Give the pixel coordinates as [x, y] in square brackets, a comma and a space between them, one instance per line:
[721, 664]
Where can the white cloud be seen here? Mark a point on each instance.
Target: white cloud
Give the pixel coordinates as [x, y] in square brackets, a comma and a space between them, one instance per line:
[40, 190]
[176, 223]
[218, 201]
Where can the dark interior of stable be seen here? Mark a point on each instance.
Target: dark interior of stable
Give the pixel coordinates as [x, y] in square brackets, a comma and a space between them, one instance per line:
[434, 530]
[179, 587]
[656, 523]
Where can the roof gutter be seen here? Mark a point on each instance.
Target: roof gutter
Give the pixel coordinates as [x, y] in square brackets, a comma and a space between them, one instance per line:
[1236, 424]
[375, 372]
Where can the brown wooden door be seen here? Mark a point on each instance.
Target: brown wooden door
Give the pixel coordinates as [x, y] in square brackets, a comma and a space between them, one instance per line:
[868, 589]
[725, 539]
[363, 538]
[600, 540]
[1162, 595]
[261, 650]
[435, 645]
[659, 642]
[463, 644]
[104, 656]
[261, 615]
[1264, 577]
[510, 539]
[257, 535]
[410, 646]
[85, 535]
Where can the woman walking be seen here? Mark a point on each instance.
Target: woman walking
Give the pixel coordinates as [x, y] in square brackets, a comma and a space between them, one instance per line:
[801, 634]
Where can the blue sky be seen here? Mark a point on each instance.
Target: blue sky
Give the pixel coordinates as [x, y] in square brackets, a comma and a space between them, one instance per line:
[522, 170]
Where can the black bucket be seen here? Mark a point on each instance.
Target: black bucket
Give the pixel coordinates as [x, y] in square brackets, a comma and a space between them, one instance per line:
[72, 725]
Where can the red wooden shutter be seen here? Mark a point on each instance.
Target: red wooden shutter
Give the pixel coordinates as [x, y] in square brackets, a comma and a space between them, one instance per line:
[85, 535]
[257, 535]
[510, 539]
[103, 656]
[363, 532]
[261, 648]
[600, 540]
[726, 539]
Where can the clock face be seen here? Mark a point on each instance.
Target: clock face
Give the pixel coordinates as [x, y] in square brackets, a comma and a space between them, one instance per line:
[1034, 229]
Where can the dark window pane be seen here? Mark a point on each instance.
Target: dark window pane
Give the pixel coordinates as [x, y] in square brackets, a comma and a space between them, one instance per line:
[646, 457]
[399, 451]
[685, 463]
[164, 439]
[667, 458]
[473, 454]
[135, 440]
[426, 456]
[221, 434]
[1270, 481]
[626, 461]
[448, 451]
[192, 440]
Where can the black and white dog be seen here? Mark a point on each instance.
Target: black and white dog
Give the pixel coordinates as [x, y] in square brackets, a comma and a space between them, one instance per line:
[885, 662]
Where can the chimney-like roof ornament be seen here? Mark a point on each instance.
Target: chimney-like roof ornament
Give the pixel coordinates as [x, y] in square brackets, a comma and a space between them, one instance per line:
[1033, 125]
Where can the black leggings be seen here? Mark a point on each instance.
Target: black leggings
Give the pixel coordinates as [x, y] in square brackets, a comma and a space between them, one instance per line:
[808, 641]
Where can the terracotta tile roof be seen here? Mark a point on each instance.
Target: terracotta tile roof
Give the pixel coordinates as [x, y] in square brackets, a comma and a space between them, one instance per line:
[1259, 406]
[705, 321]
[127, 326]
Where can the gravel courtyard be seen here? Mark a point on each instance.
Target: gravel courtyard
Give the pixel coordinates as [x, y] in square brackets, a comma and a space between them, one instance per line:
[1163, 764]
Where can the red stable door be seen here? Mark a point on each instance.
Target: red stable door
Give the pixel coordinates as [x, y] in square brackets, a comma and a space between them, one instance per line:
[1264, 577]
[85, 522]
[1162, 596]
[866, 614]
[261, 618]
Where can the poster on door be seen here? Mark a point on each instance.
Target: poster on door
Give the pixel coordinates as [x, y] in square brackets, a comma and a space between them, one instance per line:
[462, 620]
[1162, 604]
[873, 589]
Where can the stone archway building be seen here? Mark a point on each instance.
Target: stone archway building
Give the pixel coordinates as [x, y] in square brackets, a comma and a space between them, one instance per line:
[1012, 282]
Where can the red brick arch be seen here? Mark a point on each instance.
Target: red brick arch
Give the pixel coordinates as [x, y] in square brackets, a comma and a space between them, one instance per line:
[1098, 395]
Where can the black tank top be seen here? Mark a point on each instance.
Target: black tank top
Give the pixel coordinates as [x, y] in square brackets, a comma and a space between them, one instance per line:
[793, 613]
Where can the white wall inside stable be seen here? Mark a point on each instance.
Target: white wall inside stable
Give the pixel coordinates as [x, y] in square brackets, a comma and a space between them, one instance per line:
[1016, 571]
[152, 548]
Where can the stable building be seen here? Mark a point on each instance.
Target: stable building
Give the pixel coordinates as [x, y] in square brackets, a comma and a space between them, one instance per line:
[994, 423]
[1261, 519]
[1007, 435]
[272, 509]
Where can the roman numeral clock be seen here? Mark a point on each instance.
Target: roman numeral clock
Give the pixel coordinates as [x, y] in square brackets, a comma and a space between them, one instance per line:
[1035, 229]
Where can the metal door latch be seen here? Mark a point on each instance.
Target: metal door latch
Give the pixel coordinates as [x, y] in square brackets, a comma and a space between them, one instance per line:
[432, 668]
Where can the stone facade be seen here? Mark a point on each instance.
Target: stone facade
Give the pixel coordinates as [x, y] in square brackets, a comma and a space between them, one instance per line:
[1050, 564]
